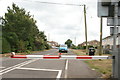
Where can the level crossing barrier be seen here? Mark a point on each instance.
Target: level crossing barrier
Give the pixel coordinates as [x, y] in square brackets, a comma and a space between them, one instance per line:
[60, 57]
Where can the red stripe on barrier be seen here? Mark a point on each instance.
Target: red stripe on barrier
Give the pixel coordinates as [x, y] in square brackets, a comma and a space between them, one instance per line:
[18, 56]
[79, 57]
[50, 57]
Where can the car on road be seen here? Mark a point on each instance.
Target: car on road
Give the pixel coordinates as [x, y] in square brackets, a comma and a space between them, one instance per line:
[63, 48]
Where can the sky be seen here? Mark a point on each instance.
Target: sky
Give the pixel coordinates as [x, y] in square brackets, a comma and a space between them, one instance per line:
[62, 22]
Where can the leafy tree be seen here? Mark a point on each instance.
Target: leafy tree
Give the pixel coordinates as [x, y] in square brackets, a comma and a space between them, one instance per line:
[68, 43]
[6, 47]
[21, 32]
[73, 46]
[47, 46]
[12, 38]
[21, 46]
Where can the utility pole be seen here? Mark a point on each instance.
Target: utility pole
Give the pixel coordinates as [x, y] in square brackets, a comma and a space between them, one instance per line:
[119, 59]
[115, 50]
[101, 26]
[85, 28]
[48, 36]
[75, 40]
[119, 53]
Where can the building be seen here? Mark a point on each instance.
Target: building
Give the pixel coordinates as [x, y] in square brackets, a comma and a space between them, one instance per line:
[107, 42]
[93, 43]
[53, 44]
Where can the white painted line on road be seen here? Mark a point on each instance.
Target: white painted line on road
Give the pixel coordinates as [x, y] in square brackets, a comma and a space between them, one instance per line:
[17, 66]
[59, 71]
[59, 74]
[38, 69]
[66, 68]
[13, 66]
[2, 67]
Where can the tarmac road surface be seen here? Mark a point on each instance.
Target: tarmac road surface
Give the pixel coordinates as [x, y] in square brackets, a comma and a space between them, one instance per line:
[43, 68]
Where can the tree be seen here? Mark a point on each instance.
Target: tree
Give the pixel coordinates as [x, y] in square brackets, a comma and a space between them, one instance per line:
[68, 43]
[20, 30]
[73, 46]
[6, 47]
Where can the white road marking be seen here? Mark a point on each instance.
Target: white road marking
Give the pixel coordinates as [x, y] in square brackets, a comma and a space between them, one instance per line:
[59, 74]
[38, 69]
[13, 66]
[25, 63]
[59, 71]
[2, 67]
[66, 68]
[16, 66]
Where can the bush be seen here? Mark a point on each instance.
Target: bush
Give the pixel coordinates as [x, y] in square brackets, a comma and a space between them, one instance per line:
[5, 46]
[83, 47]
[47, 46]
[78, 47]
[28, 52]
[90, 46]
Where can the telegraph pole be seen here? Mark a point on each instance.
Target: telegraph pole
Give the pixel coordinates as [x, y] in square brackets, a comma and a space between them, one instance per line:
[115, 50]
[48, 36]
[75, 40]
[85, 28]
[101, 26]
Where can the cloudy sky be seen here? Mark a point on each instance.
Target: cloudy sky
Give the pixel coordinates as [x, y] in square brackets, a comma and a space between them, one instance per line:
[62, 22]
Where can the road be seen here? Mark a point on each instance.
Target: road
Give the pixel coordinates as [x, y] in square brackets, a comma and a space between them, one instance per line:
[41, 68]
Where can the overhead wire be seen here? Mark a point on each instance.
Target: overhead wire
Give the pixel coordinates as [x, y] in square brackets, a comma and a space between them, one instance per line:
[62, 4]
[80, 22]
[59, 3]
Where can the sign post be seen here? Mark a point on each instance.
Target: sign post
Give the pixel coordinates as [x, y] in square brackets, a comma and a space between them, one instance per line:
[119, 59]
[115, 50]
[111, 9]
[110, 21]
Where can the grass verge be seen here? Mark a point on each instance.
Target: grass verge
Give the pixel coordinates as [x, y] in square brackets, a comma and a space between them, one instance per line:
[102, 66]
[79, 52]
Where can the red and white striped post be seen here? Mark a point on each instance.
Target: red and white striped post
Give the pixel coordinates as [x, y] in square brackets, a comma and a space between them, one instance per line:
[60, 57]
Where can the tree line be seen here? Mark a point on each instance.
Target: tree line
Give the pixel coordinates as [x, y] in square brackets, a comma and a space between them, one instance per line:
[20, 32]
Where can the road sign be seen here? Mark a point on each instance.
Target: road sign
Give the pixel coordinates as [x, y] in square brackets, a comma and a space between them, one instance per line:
[110, 22]
[112, 30]
[106, 8]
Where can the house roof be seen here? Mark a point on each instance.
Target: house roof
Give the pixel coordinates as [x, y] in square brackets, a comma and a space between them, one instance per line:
[107, 37]
[90, 42]
[110, 36]
[52, 42]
